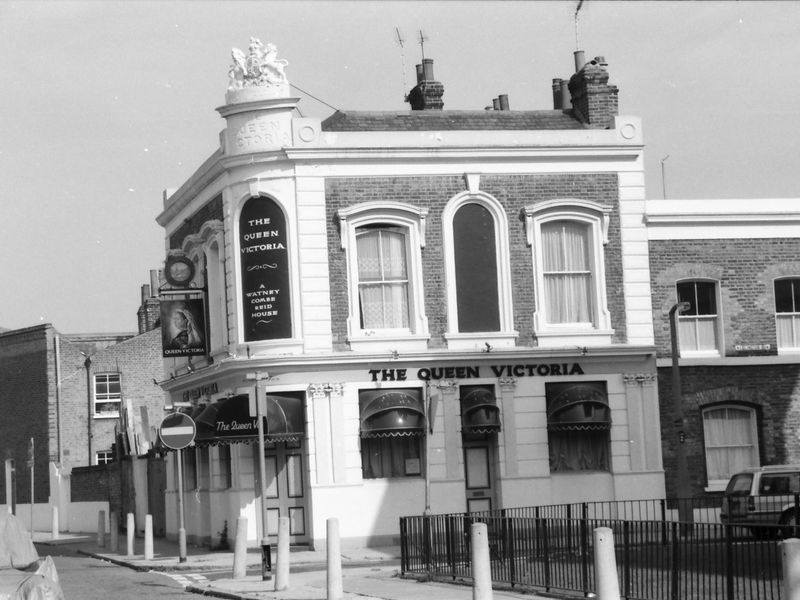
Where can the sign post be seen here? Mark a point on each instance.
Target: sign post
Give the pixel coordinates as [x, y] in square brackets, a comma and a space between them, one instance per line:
[177, 431]
[266, 556]
[30, 466]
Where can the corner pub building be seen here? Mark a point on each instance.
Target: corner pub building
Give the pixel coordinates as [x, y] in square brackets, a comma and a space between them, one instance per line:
[446, 310]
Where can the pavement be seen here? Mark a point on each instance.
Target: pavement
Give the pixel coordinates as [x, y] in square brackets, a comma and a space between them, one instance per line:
[367, 573]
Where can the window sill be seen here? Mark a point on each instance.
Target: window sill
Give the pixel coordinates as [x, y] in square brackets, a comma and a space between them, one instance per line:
[116, 416]
[700, 354]
[574, 337]
[716, 486]
[477, 341]
[389, 343]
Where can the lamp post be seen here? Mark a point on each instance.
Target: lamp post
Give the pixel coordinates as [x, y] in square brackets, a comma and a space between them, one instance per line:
[685, 514]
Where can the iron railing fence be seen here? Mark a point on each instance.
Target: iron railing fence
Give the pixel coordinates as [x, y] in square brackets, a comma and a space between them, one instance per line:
[656, 559]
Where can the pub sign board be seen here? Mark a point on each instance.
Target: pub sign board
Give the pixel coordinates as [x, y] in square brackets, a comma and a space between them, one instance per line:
[266, 300]
[183, 327]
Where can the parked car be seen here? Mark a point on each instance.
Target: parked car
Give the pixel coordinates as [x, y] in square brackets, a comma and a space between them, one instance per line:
[765, 500]
[23, 575]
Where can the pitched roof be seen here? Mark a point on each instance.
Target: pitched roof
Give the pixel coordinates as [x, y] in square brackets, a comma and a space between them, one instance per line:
[453, 120]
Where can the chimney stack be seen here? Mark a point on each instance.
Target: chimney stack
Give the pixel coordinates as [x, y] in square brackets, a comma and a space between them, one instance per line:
[149, 313]
[427, 94]
[594, 101]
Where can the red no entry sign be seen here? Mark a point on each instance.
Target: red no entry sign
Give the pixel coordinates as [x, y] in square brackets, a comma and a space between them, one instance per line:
[177, 431]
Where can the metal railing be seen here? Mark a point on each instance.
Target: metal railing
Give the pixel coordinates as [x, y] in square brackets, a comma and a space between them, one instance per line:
[550, 549]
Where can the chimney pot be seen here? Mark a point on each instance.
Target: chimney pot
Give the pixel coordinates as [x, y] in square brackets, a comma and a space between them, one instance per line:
[496, 103]
[419, 73]
[503, 101]
[601, 60]
[580, 60]
[427, 69]
[566, 98]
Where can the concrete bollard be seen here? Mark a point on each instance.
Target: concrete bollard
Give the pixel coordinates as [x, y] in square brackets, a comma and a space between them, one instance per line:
[148, 537]
[605, 565]
[54, 521]
[282, 567]
[113, 531]
[481, 565]
[240, 549]
[334, 561]
[131, 531]
[101, 529]
[790, 559]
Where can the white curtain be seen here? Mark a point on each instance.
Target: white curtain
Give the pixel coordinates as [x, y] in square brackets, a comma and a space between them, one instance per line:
[788, 331]
[730, 443]
[382, 279]
[567, 272]
[697, 333]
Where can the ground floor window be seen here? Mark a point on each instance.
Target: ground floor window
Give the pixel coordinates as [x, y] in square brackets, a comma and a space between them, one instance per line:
[731, 440]
[391, 456]
[578, 426]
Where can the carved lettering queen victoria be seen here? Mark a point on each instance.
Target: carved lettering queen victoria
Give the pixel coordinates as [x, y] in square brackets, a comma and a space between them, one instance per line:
[259, 67]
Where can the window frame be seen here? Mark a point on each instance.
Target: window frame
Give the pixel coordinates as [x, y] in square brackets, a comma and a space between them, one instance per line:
[719, 484]
[108, 399]
[596, 218]
[794, 316]
[505, 336]
[106, 455]
[411, 220]
[717, 319]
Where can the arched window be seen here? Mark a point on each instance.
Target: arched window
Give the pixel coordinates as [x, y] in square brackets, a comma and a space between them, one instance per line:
[475, 243]
[731, 441]
[567, 239]
[383, 242]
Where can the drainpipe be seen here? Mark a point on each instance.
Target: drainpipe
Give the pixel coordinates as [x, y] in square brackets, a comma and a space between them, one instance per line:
[685, 513]
[58, 400]
[88, 364]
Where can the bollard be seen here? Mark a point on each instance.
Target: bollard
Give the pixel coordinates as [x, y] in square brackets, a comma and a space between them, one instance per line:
[334, 560]
[282, 574]
[182, 545]
[113, 528]
[240, 549]
[131, 531]
[481, 566]
[101, 529]
[605, 564]
[54, 522]
[148, 537]
[790, 559]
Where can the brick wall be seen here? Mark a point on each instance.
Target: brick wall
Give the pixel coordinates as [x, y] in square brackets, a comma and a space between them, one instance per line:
[514, 192]
[27, 378]
[773, 390]
[744, 269]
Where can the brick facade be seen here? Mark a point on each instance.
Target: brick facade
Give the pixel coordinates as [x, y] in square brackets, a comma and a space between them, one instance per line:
[60, 418]
[514, 192]
[744, 270]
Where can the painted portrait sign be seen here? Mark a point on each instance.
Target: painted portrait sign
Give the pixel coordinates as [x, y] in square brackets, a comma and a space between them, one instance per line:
[266, 301]
[183, 327]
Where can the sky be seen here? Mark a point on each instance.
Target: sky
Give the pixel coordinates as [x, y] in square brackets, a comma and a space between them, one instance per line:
[105, 104]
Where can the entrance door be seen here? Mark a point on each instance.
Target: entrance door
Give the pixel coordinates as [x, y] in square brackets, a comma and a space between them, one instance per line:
[286, 489]
[479, 472]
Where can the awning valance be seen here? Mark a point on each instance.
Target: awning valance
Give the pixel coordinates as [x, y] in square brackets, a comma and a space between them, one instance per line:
[578, 407]
[391, 413]
[479, 412]
[228, 421]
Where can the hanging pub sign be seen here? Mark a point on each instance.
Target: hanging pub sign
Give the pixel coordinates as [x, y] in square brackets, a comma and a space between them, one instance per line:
[183, 327]
[266, 302]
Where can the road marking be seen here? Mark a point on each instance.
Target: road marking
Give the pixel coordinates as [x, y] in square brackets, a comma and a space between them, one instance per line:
[186, 579]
